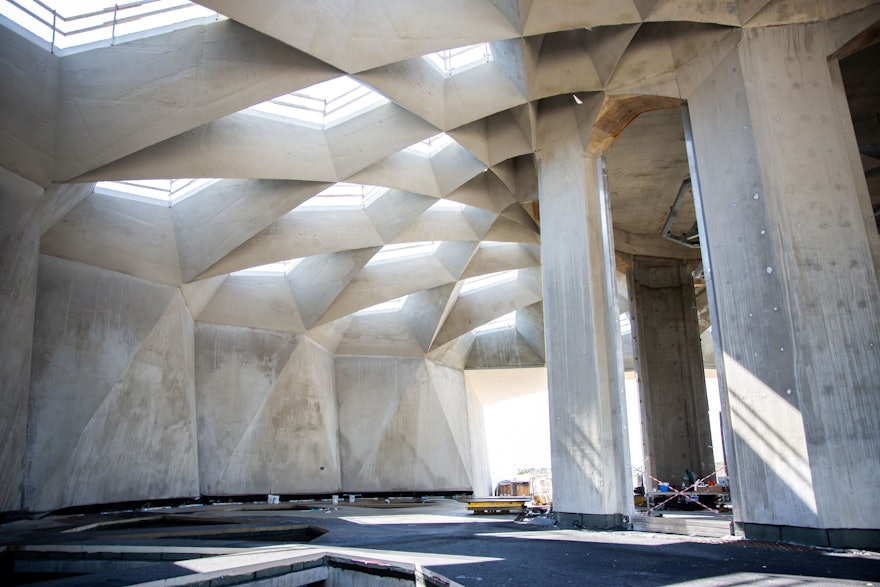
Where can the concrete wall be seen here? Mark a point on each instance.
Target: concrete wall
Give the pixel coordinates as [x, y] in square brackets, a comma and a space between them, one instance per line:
[19, 251]
[403, 425]
[28, 103]
[794, 280]
[112, 390]
[266, 413]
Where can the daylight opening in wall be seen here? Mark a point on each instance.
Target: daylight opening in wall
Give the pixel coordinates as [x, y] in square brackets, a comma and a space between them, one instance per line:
[473, 284]
[63, 24]
[404, 250]
[325, 104]
[167, 191]
[452, 61]
[390, 306]
[432, 145]
[277, 268]
[500, 323]
[345, 195]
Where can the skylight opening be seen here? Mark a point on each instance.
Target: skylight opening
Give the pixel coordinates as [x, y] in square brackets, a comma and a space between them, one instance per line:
[167, 191]
[345, 195]
[500, 323]
[625, 324]
[432, 145]
[483, 281]
[452, 61]
[405, 250]
[64, 24]
[270, 269]
[324, 104]
[385, 307]
[444, 204]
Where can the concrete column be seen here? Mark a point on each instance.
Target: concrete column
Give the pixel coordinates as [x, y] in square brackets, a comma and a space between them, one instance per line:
[669, 363]
[788, 249]
[589, 448]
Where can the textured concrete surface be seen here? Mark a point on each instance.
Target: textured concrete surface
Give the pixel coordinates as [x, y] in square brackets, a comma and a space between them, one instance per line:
[668, 361]
[798, 271]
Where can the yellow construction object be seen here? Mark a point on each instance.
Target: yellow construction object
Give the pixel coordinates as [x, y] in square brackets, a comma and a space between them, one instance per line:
[497, 505]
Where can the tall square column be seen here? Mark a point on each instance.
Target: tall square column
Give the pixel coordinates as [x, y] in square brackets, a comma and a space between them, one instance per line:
[790, 254]
[669, 362]
[589, 448]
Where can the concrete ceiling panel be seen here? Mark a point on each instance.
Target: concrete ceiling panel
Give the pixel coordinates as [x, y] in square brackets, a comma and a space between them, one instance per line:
[453, 166]
[114, 101]
[496, 138]
[564, 65]
[530, 326]
[406, 171]
[330, 335]
[486, 192]
[607, 45]
[217, 219]
[510, 10]
[197, 294]
[498, 257]
[56, 201]
[545, 16]
[454, 353]
[517, 213]
[439, 225]
[509, 57]
[322, 29]
[647, 66]
[302, 233]
[395, 210]
[246, 144]
[256, 302]
[697, 50]
[726, 12]
[506, 230]
[456, 255]
[415, 84]
[385, 334]
[782, 12]
[373, 135]
[425, 310]
[478, 92]
[479, 220]
[380, 282]
[482, 306]
[317, 281]
[502, 348]
[130, 237]
[394, 31]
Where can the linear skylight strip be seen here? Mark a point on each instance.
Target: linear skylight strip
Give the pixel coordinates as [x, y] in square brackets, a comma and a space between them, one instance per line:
[432, 145]
[325, 103]
[385, 307]
[159, 190]
[452, 61]
[483, 281]
[64, 24]
[405, 250]
[501, 323]
[269, 269]
[345, 195]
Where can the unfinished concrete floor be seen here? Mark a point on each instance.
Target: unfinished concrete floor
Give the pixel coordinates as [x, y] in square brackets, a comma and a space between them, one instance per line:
[126, 549]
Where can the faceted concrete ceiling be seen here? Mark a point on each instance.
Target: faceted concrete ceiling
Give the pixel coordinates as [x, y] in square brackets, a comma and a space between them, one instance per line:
[179, 104]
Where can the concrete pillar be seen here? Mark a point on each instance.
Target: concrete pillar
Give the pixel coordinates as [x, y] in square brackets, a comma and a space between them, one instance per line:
[669, 363]
[788, 248]
[589, 448]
